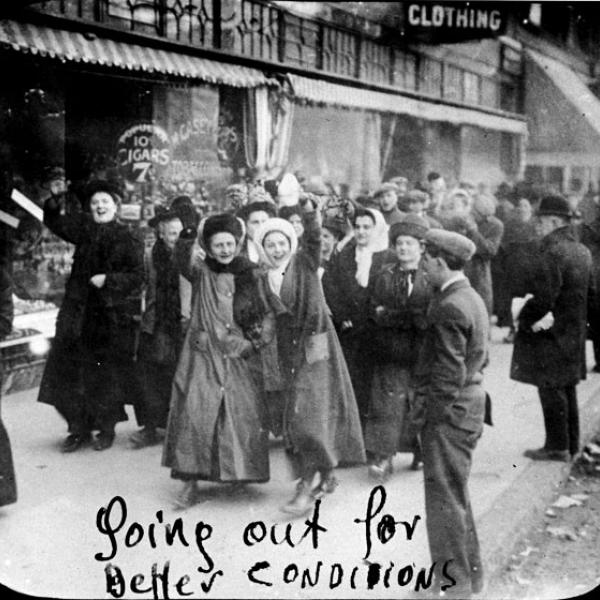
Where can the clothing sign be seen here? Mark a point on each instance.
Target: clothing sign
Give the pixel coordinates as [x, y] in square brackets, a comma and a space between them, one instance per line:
[444, 22]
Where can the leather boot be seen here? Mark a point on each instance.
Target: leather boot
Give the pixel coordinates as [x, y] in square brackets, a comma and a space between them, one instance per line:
[302, 501]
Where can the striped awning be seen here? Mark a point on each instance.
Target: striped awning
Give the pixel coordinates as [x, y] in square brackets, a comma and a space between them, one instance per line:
[91, 49]
[323, 92]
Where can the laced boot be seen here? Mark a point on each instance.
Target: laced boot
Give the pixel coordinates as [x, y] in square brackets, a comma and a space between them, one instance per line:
[188, 496]
[302, 501]
[382, 469]
[326, 485]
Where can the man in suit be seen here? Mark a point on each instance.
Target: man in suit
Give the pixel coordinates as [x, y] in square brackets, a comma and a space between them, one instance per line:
[451, 401]
[549, 350]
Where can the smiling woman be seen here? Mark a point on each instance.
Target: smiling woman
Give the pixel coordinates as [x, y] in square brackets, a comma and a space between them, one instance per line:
[94, 330]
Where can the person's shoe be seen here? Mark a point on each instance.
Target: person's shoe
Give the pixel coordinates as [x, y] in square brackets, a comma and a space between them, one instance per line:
[545, 454]
[74, 441]
[302, 501]
[509, 338]
[143, 438]
[326, 485]
[188, 496]
[381, 470]
[417, 462]
[103, 440]
[596, 368]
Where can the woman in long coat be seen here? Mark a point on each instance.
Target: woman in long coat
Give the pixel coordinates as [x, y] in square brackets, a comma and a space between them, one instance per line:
[215, 429]
[95, 330]
[8, 486]
[399, 297]
[321, 426]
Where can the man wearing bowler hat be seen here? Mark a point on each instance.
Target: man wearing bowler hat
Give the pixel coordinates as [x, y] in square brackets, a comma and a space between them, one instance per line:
[449, 410]
[549, 350]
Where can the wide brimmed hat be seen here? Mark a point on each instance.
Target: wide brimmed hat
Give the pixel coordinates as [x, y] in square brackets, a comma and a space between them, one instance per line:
[416, 196]
[222, 223]
[411, 225]
[554, 205]
[100, 185]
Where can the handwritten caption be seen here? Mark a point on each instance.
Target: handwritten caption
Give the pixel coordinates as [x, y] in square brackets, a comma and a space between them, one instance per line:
[378, 527]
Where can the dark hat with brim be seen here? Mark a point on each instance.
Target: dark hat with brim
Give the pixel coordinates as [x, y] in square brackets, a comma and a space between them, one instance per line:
[245, 211]
[222, 223]
[101, 185]
[554, 205]
[162, 214]
[451, 242]
[411, 225]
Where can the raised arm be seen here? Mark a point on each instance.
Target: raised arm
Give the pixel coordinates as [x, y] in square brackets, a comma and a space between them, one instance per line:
[71, 227]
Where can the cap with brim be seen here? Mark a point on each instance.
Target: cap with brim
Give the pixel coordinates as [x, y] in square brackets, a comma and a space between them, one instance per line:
[451, 242]
[411, 225]
[386, 187]
[554, 206]
[415, 196]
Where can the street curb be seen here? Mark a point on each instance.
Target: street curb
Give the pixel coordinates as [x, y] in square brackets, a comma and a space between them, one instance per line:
[525, 501]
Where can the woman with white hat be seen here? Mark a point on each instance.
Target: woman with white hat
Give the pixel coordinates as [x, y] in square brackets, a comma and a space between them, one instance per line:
[321, 426]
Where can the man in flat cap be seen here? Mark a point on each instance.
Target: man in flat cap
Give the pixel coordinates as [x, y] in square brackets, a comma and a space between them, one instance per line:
[549, 349]
[451, 401]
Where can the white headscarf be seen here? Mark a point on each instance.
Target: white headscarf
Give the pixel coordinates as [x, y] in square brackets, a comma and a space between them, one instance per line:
[364, 254]
[275, 273]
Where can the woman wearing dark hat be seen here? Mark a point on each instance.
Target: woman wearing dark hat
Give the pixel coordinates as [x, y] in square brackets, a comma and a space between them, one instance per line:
[215, 428]
[94, 328]
[161, 331]
[399, 297]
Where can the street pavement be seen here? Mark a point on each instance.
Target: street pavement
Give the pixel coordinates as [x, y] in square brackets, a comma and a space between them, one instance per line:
[53, 542]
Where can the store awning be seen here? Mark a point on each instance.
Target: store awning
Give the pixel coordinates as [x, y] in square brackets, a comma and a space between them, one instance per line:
[91, 49]
[324, 92]
[571, 87]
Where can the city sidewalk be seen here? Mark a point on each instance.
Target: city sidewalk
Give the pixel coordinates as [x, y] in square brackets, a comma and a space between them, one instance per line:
[50, 536]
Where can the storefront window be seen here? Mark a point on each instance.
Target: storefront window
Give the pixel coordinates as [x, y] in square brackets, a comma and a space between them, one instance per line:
[153, 139]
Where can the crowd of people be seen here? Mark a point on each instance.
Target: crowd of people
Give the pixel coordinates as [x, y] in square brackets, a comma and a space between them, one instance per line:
[353, 329]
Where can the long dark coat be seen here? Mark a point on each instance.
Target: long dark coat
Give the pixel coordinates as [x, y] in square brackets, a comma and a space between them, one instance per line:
[556, 357]
[321, 422]
[348, 301]
[215, 429]
[8, 486]
[487, 240]
[93, 325]
[387, 427]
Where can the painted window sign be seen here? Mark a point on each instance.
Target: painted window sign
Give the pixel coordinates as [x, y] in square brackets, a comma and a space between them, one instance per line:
[142, 149]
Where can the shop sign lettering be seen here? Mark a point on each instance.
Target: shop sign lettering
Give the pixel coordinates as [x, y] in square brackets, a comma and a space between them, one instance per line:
[440, 22]
[142, 149]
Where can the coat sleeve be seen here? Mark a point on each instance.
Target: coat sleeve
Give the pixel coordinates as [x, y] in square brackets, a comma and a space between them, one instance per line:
[6, 303]
[488, 244]
[312, 239]
[441, 377]
[183, 254]
[130, 274]
[337, 297]
[71, 227]
[545, 289]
